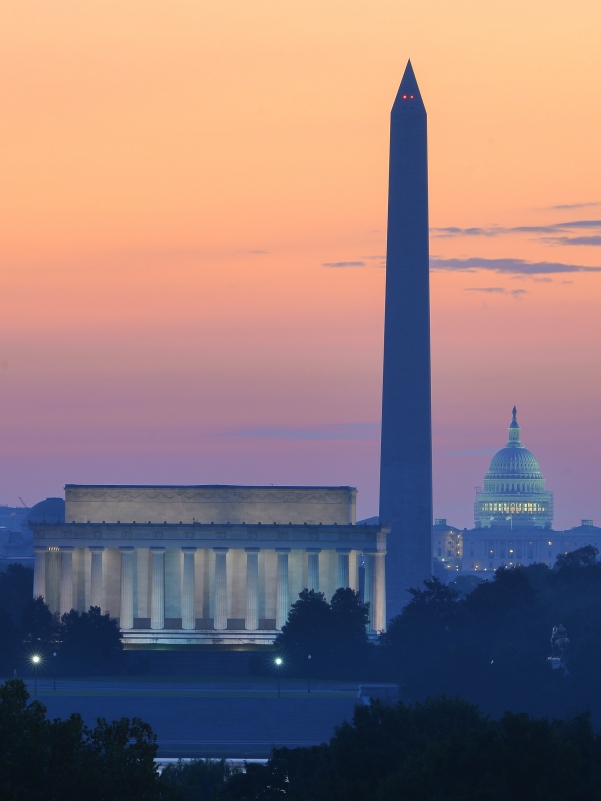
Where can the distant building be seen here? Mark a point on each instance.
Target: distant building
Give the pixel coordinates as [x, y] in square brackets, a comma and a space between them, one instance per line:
[514, 494]
[513, 515]
[16, 539]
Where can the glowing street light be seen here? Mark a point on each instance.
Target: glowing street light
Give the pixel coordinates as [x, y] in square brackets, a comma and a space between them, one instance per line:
[35, 660]
[278, 664]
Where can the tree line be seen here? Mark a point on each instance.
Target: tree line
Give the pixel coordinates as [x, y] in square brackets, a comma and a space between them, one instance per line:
[443, 749]
[491, 646]
[487, 642]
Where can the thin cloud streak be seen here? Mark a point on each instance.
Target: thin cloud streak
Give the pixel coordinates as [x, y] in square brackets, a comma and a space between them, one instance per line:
[512, 266]
[498, 290]
[343, 264]
[491, 289]
[564, 206]
[474, 452]
[497, 230]
[331, 431]
[587, 241]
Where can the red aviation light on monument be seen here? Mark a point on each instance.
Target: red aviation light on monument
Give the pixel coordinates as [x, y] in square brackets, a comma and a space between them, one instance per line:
[408, 91]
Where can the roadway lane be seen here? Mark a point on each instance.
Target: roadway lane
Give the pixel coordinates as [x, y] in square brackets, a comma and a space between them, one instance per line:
[208, 720]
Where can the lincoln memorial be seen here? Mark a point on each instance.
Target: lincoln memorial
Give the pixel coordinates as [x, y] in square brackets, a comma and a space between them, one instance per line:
[205, 564]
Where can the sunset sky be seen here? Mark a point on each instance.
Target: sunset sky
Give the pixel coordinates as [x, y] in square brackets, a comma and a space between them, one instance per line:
[193, 216]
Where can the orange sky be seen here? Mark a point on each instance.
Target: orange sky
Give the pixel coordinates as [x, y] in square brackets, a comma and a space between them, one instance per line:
[176, 175]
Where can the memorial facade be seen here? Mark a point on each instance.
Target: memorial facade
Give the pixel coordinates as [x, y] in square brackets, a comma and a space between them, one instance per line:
[205, 564]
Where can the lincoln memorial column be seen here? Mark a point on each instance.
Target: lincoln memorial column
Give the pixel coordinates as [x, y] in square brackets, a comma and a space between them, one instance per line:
[313, 569]
[126, 615]
[283, 592]
[188, 616]
[368, 591]
[39, 572]
[342, 577]
[157, 589]
[96, 594]
[220, 618]
[66, 588]
[252, 589]
[379, 593]
[53, 578]
[375, 589]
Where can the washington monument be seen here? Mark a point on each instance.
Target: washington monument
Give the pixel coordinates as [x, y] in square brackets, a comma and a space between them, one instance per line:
[406, 451]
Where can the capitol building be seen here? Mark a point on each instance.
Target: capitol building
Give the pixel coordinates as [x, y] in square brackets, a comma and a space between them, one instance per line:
[513, 519]
[514, 489]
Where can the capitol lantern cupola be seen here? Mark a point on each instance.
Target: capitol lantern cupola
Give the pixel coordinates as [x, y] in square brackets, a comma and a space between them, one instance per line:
[514, 492]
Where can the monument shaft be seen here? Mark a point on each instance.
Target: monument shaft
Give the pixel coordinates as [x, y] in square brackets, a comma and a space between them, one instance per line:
[406, 449]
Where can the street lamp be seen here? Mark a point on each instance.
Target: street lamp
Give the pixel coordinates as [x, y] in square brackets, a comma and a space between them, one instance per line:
[278, 664]
[54, 671]
[35, 659]
[309, 673]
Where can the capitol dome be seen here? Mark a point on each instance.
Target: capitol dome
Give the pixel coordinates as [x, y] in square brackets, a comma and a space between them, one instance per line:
[514, 463]
[514, 488]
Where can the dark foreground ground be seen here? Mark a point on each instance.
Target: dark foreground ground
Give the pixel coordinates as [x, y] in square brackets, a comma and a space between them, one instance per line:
[234, 718]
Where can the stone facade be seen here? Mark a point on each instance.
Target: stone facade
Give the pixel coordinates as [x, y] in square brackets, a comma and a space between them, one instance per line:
[481, 551]
[206, 564]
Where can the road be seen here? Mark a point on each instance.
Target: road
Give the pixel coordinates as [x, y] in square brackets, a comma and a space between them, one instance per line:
[212, 718]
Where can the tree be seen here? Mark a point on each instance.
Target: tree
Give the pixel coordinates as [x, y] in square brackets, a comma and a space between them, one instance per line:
[443, 749]
[350, 615]
[306, 633]
[417, 643]
[16, 590]
[492, 646]
[39, 627]
[9, 643]
[63, 760]
[334, 635]
[581, 557]
[91, 641]
[350, 644]
[197, 780]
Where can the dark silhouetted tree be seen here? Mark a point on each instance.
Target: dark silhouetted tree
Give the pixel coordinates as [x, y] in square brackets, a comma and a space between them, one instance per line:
[39, 627]
[334, 635]
[582, 557]
[443, 749]
[63, 760]
[90, 641]
[491, 647]
[307, 632]
[16, 590]
[350, 644]
[197, 779]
